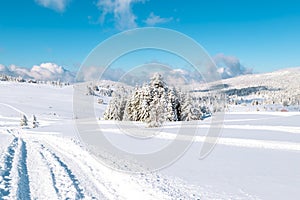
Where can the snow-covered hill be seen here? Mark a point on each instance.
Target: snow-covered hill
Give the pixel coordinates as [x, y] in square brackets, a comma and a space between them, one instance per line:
[257, 156]
[279, 88]
[282, 79]
[49, 162]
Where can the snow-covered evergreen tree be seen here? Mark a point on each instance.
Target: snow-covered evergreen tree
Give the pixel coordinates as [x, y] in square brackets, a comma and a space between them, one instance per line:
[189, 111]
[35, 123]
[133, 106]
[116, 108]
[158, 86]
[145, 103]
[157, 112]
[24, 120]
[173, 106]
[90, 91]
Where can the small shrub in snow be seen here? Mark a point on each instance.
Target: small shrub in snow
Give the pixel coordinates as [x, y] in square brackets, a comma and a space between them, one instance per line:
[285, 103]
[100, 101]
[24, 121]
[35, 123]
[90, 91]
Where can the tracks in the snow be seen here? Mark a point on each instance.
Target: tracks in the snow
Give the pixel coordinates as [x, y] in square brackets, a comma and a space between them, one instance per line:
[31, 169]
[48, 167]
[5, 168]
[13, 170]
[23, 191]
[14, 178]
[64, 181]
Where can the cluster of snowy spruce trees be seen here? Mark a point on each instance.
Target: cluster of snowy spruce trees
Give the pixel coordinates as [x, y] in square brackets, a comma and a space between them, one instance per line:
[153, 103]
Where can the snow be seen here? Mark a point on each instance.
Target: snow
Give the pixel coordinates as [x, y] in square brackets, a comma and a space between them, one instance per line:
[257, 155]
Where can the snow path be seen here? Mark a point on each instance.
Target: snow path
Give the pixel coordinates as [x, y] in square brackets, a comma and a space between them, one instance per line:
[87, 173]
[115, 185]
[5, 168]
[64, 181]
[118, 185]
[14, 171]
[23, 191]
[27, 165]
[53, 167]
[40, 174]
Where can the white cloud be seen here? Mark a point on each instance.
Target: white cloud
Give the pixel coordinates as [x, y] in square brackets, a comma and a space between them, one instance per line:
[92, 73]
[121, 10]
[153, 20]
[57, 5]
[230, 66]
[45, 71]
[2, 68]
[135, 76]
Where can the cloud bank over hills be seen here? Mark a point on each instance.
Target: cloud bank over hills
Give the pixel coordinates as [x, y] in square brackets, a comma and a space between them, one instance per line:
[230, 66]
[227, 67]
[44, 71]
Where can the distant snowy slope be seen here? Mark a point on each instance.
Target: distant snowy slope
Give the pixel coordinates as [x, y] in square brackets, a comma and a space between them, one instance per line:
[279, 88]
[286, 79]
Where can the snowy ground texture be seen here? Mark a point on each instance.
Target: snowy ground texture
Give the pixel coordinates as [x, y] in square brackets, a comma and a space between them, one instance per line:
[257, 156]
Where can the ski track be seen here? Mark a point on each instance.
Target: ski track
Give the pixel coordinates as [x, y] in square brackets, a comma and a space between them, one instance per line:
[5, 170]
[23, 191]
[89, 174]
[67, 181]
[117, 184]
[14, 171]
[20, 170]
[51, 167]
[41, 188]
[64, 181]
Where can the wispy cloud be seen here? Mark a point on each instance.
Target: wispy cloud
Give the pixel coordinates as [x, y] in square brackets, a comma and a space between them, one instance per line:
[153, 20]
[123, 16]
[230, 66]
[57, 5]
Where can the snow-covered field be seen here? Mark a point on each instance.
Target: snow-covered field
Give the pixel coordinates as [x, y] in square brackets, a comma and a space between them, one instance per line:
[257, 155]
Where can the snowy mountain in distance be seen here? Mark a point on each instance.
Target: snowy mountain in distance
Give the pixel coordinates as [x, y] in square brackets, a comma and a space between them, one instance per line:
[284, 79]
[279, 88]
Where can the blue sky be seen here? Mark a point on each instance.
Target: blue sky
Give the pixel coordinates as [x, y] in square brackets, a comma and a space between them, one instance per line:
[263, 35]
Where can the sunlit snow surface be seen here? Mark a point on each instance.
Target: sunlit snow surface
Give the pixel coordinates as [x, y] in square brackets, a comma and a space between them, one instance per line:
[257, 156]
